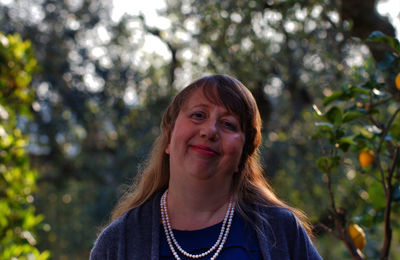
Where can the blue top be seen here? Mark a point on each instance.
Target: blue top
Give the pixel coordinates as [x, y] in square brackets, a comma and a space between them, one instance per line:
[136, 235]
[240, 244]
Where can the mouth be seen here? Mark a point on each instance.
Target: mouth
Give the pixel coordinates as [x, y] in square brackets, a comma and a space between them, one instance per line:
[205, 150]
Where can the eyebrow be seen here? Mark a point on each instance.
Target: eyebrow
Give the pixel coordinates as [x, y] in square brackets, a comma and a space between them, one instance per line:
[199, 105]
[226, 113]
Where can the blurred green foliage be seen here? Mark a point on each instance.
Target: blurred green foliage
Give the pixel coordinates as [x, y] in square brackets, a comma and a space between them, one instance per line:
[18, 220]
[363, 116]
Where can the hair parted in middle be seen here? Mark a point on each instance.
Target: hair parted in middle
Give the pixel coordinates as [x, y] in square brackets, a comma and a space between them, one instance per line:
[249, 185]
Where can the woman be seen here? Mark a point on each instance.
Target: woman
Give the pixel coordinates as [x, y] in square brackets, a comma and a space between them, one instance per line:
[203, 194]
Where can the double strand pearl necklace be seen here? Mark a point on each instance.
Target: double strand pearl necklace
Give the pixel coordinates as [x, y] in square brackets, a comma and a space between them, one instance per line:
[219, 244]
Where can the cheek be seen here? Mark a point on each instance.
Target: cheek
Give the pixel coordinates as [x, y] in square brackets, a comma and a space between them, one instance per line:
[239, 149]
[236, 147]
[238, 143]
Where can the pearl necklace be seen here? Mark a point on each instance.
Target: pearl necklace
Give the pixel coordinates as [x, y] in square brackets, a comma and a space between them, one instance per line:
[219, 244]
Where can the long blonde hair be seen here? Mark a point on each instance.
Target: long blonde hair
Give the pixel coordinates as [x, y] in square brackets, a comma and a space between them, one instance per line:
[249, 187]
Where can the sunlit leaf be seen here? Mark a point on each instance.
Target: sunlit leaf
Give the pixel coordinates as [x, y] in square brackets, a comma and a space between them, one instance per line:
[18, 222]
[348, 140]
[333, 97]
[379, 37]
[373, 129]
[324, 126]
[317, 113]
[378, 93]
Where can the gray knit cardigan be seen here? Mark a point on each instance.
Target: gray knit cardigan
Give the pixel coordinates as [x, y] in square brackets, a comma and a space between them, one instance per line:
[135, 235]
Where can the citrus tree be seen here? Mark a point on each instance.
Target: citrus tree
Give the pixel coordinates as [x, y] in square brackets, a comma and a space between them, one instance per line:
[18, 221]
[359, 133]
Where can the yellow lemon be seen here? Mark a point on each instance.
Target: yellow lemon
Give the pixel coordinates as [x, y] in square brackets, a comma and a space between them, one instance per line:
[397, 80]
[357, 235]
[366, 158]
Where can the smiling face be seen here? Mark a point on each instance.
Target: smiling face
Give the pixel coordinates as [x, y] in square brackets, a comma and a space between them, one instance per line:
[206, 141]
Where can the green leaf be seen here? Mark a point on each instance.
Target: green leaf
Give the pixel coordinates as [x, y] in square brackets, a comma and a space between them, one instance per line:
[322, 164]
[359, 89]
[376, 195]
[378, 93]
[349, 116]
[334, 96]
[317, 113]
[18, 221]
[339, 133]
[395, 130]
[347, 140]
[379, 37]
[360, 143]
[328, 164]
[334, 116]
[373, 129]
[324, 126]
[345, 143]
[324, 129]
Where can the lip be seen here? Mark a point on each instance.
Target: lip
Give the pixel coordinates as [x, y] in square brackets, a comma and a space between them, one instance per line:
[205, 150]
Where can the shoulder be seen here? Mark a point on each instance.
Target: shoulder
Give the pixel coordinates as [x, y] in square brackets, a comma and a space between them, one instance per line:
[284, 230]
[280, 219]
[131, 228]
[110, 240]
[276, 211]
[278, 215]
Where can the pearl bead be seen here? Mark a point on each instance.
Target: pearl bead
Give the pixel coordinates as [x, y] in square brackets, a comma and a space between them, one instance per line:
[219, 244]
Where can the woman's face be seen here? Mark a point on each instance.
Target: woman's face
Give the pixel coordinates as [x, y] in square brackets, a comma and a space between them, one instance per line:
[206, 141]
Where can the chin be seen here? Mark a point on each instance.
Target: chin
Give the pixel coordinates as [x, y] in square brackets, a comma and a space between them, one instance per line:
[202, 175]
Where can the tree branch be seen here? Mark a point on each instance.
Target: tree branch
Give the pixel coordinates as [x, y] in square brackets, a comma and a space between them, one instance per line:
[329, 230]
[174, 60]
[388, 229]
[339, 215]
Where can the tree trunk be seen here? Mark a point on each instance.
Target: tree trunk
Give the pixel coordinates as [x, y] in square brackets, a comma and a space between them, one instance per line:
[365, 19]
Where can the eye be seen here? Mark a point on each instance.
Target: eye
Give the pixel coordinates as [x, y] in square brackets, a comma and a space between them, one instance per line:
[232, 126]
[197, 115]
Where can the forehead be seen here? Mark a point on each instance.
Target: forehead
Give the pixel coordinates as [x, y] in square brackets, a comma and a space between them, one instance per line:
[204, 97]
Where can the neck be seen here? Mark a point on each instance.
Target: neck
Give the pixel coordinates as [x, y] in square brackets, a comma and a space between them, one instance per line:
[198, 206]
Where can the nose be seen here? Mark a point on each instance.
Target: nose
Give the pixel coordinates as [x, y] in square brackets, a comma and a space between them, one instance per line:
[209, 130]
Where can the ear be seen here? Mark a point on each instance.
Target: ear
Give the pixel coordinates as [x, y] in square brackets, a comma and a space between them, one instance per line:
[167, 149]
